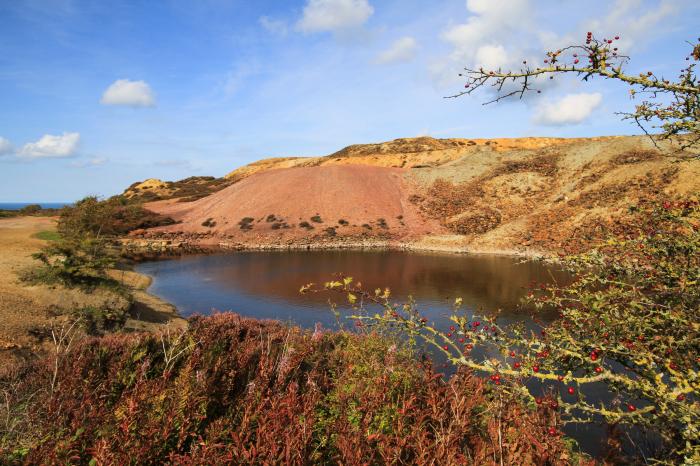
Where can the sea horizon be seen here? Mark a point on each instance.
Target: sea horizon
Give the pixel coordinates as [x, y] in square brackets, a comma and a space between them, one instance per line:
[44, 205]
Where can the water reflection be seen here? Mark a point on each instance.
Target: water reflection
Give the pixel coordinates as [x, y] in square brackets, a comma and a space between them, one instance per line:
[266, 284]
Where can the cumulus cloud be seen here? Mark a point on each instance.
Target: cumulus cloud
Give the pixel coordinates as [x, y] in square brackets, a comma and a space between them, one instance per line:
[633, 21]
[129, 93]
[5, 146]
[273, 26]
[50, 146]
[569, 110]
[334, 15]
[491, 22]
[402, 50]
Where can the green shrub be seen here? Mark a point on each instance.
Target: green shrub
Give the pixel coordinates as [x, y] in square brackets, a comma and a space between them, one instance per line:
[317, 219]
[306, 225]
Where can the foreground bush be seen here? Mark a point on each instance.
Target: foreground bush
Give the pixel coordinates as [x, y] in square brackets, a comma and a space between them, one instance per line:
[237, 391]
[628, 323]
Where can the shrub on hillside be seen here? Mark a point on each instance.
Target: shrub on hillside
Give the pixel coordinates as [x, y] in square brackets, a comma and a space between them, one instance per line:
[232, 390]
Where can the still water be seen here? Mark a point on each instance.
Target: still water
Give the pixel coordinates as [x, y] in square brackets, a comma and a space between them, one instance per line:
[266, 284]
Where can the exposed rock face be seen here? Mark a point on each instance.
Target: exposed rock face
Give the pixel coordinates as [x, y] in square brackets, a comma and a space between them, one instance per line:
[506, 195]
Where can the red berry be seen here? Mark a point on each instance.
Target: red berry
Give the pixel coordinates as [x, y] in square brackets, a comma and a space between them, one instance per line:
[452, 328]
[552, 431]
[576, 61]
[461, 340]
[594, 356]
[516, 365]
[680, 397]
[631, 408]
[512, 354]
[535, 368]
[538, 401]
[449, 335]
[445, 347]
[554, 405]
[571, 390]
[617, 37]
[599, 369]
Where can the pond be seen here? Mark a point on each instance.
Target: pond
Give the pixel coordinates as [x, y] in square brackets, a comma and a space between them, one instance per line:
[266, 285]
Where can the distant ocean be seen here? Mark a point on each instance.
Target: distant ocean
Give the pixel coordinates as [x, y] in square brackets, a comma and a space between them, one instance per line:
[19, 205]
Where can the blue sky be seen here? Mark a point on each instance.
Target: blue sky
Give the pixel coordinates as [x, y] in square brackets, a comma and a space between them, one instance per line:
[97, 95]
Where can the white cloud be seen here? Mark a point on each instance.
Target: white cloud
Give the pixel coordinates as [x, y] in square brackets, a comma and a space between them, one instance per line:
[129, 93]
[402, 50]
[491, 57]
[633, 21]
[569, 110]
[491, 22]
[334, 15]
[50, 146]
[93, 162]
[5, 146]
[273, 26]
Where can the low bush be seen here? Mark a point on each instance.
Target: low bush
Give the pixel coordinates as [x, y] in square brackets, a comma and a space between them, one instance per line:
[230, 390]
[210, 223]
[627, 323]
[306, 225]
[317, 219]
[246, 223]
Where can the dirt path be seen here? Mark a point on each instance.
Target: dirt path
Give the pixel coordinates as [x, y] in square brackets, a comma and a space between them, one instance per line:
[26, 312]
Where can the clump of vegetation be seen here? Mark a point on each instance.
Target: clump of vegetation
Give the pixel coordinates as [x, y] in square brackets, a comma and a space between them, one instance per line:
[306, 225]
[317, 219]
[382, 223]
[628, 321]
[230, 389]
[111, 217]
[47, 235]
[209, 223]
[246, 223]
[367, 226]
[343, 222]
[186, 190]
[636, 156]
[271, 218]
[330, 231]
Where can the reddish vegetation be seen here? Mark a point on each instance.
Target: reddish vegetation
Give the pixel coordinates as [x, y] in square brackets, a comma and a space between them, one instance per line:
[257, 392]
[278, 202]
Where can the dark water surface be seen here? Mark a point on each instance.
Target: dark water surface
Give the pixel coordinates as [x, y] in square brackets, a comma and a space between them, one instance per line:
[266, 284]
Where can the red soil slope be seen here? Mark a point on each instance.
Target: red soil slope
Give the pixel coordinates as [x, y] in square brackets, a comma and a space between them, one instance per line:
[277, 202]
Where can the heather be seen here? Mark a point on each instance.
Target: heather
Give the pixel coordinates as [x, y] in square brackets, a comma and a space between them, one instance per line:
[230, 390]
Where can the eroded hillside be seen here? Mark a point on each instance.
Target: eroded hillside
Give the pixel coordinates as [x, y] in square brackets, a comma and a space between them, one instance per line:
[531, 195]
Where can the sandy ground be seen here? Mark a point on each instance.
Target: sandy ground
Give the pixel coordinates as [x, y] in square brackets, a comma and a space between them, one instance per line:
[27, 312]
[277, 202]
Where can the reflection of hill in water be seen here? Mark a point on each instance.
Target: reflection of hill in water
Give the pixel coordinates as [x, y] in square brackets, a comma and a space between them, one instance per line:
[487, 282]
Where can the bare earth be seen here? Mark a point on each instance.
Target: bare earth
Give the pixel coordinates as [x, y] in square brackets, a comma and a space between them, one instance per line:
[27, 312]
[528, 196]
